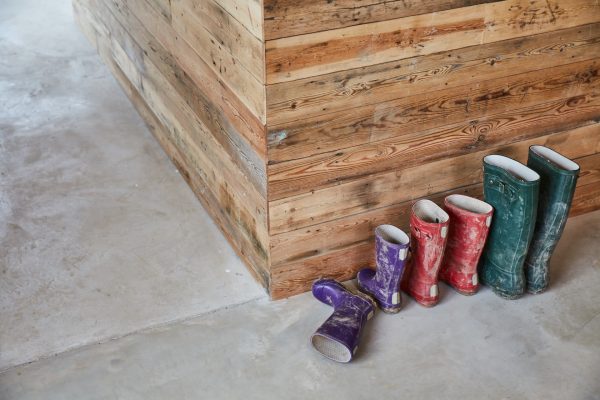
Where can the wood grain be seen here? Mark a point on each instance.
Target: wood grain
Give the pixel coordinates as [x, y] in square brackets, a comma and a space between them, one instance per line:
[328, 169]
[209, 29]
[248, 12]
[152, 59]
[302, 125]
[285, 18]
[430, 109]
[248, 91]
[374, 85]
[409, 183]
[358, 46]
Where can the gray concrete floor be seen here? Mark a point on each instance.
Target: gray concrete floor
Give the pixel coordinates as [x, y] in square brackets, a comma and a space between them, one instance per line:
[99, 235]
[100, 238]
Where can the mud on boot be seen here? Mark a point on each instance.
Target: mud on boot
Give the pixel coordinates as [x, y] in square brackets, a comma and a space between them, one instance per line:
[428, 234]
[512, 189]
[338, 337]
[470, 221]
[558, 178]
[383, 283]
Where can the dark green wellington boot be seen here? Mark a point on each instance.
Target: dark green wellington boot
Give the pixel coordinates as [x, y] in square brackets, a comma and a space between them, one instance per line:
[512, 189]
[558, 177]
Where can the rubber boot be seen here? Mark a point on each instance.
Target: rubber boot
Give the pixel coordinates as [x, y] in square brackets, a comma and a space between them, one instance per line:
[470, 221]
[383, 284]
[512, 189]
[558, 177]
[428, 234]
[338, 337]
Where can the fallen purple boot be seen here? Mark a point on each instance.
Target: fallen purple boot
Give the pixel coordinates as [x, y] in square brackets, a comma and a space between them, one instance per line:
[383, 284]
[337, 339]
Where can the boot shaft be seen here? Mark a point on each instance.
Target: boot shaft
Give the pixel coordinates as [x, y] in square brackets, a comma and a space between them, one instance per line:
[470, 220]
[383, 283]
[428, 230]
[558, 178]
[512, 189]
[429, 226]
[391, 251]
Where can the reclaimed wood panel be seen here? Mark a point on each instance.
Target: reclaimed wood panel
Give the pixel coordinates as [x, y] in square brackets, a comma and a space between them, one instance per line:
[247, 89]
[285, 18]
[408, 183]
[354, 127]
[311, 173]
[358, 46]
[340, 91]
[248, 12]
[203, 87]
[151, 58]
[209, 29]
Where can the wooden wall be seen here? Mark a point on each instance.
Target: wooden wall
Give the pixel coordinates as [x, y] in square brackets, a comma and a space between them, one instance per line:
[371, 108]
[302, 125]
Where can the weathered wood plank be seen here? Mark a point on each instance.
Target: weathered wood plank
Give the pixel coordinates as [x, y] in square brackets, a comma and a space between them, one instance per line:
[404, 184]
[208, 28]
[341, 91]
[413, 183]
[199, 84]
[206, 68]
[150, 58]
[354, 127]
[232, 226]
[358, 46]
[162, 6]
[328, 169]
[285, 18]
[349, 244]
[248, 12]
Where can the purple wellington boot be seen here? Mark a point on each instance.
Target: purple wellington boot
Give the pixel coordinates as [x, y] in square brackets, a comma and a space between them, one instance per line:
[383, 284]
[337, 339]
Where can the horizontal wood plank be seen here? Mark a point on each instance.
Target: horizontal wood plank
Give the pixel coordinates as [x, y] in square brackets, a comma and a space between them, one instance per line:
[151, 59]
[409, 183]
[371, 86]
[285, 18]
[209, 29]
[328, 169]
[358, 46]
[355, 127]
[207, 67]
[206, 94]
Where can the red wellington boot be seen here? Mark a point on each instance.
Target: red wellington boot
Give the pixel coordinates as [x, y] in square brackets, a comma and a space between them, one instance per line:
[428, 231]
[470, 221]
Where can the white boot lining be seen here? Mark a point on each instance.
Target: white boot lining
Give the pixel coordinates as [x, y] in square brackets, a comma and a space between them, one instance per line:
[469, 203]
[514, 167]
[428, 211]
[391, 234]
[555, 158]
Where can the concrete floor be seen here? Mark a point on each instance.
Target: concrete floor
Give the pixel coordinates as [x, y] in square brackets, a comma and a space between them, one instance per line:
[99, 235]
[100, 238]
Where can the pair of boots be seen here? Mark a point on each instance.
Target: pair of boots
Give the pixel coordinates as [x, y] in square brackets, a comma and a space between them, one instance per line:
[531, 205]
[444, 244]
